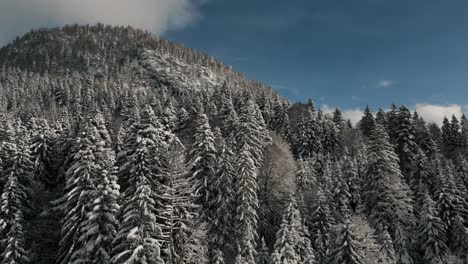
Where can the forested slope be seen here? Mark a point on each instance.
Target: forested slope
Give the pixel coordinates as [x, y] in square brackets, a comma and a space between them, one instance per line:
[119, 147]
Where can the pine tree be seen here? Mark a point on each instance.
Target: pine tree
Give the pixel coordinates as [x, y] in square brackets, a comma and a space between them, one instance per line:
[305, 181]
[263, 257]
[341, 194]
[183, 205]
[320, 224]
[344, 248]
[284, 246]
[41, 151]
[247, 205]
[203, 162]
[386, 243]
[423, 137]
[381, 118]
[431, 233]
[307, 139]
[367, 123]
[145, 228]
[280, 120]
[252, 131]
[89, 168]
[100, 227]
[420, 180]
[384, 186]
[405, 145]
[351, 178]
[392, 122]
[223, 204]
[13, 201]
[386, 196]
[338, 119]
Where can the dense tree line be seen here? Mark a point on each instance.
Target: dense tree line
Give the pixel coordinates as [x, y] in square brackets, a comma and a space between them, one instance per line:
[107, 158]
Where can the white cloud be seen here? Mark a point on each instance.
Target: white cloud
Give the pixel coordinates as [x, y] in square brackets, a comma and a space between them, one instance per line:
[436, 113]
[385, 83]
[157, 16]
[354, 115]
[430, 112]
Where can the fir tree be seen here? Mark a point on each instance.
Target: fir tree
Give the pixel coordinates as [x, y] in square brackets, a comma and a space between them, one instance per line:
[405, 145]
[203, 162]
[223, 205]
[145, 228]
[247, 205]
[252, 131]
[263, 257]
[345, 248]
[367, 123]
[12, 204]
[431, 233]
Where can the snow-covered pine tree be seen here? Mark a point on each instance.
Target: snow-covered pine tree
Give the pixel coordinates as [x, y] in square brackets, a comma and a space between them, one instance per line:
[387, 248]
[341, 194]
[305, 182]
[41, 151]
[252, 131]
[423, 137]
[432, 236]
[284, 246]
[98, 230]
[89, 166]
[367, 123]
[420, 180]
[13, 202]
[220, 227]
[320, 223]
[279, 121]
[405, 145]
[247, 204]
[338, 119]
[263, 256]
[145, 229]
[350, 176]
[203, 163]
[183, 203]
[345, 248]
[307, 140]
[451, 207]
[392, 122]
[386, 196]
[381, 118]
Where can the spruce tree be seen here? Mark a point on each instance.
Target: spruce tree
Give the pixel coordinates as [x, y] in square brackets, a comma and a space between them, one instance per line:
[320, 223]
[87, 203]
[145, 229]
[252, 131]
[386, 196]
[263, 257]
[203, 162]
[344, 248]
[223, 204]
[405, 145]
[13, 202]
[431, 233]
[367, 123]
[100, 227]
[247, 204]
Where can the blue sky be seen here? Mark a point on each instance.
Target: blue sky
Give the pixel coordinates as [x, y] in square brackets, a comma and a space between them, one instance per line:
[340, 52]
[343, 53]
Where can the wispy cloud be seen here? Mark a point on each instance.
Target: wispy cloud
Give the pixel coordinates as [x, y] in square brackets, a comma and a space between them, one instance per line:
[157, 16]
[385, 83]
